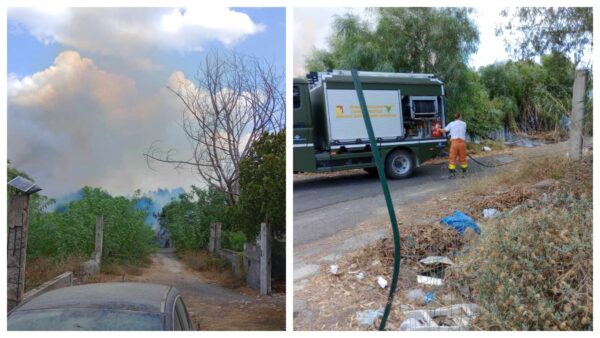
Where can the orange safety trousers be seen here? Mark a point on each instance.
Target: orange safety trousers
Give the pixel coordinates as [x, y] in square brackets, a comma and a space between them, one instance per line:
[458, 148]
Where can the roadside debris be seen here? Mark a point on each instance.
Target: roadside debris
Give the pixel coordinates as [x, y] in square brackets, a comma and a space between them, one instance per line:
[368, 317]
[429, 280]
[360, 276]
[429, 297]
[415, 295]
[436, 260]
[333, 269]
[490, 213]
[448, 318]
[485, 148]
[460, 222]
[382, 282]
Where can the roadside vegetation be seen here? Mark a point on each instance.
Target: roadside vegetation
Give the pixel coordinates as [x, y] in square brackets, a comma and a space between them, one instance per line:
[261, 199]
[532, 270]
[531, 94]
[60, 240]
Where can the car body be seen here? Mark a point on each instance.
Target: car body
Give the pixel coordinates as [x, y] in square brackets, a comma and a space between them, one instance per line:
[104, 306]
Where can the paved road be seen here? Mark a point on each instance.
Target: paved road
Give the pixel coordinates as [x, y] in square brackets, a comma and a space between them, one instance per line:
[326, 205]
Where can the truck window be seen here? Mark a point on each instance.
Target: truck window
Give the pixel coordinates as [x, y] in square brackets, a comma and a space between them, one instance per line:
[296, 97]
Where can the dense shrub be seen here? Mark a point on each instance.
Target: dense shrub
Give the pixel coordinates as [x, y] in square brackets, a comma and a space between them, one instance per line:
[72, 232]
[188, 219]
[533, 270]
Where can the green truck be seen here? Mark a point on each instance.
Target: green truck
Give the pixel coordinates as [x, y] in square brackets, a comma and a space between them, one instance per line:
[330, 134]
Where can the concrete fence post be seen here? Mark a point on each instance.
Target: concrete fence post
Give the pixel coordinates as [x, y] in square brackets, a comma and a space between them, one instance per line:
[218, 227]
[211, 238]
[99, 237]
[578, 107]
[92, 266]
[18, 228]
[265, 259]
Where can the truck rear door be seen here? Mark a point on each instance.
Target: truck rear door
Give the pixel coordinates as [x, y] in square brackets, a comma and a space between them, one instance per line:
[304, 151]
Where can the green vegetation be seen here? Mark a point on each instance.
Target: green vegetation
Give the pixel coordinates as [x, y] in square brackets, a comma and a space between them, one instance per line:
[58, 236]
[531, 96]
[62, 234]
[261, 199]
[188, 219]
[525, 95]
[262, 187]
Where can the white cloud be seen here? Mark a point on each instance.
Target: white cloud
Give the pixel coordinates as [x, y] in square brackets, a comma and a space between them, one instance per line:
[117, 31]
[75, 124]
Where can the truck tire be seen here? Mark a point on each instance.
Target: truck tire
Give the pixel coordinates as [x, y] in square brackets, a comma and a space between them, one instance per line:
[399, 164]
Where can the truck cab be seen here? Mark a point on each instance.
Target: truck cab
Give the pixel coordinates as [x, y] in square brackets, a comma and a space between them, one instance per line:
[329, 132]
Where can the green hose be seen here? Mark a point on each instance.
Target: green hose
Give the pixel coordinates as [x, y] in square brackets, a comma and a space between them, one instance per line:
[386, 193]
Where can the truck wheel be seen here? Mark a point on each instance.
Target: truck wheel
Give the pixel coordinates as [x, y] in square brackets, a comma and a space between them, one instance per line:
[399, 164]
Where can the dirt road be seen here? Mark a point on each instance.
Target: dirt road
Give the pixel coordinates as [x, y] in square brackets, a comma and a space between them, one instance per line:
[211, 306]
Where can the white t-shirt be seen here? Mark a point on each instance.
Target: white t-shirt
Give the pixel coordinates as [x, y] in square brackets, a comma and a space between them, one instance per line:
[457, 129]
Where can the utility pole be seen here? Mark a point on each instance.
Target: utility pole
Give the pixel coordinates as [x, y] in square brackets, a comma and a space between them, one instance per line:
[578, 106]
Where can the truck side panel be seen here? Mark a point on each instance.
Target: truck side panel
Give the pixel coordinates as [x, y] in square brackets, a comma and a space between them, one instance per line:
[346, 120]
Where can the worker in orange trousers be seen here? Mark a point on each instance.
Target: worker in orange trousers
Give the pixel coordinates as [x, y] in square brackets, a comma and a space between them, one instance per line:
[458, 147]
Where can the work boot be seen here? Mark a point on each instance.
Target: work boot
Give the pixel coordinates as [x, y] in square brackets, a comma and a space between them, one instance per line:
[464, 172]
[452, 173]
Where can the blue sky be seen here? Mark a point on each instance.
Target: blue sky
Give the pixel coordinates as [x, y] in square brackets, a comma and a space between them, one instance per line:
[87, 88]
[27, 55]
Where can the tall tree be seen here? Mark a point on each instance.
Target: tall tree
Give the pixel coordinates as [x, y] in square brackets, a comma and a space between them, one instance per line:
[415, 40]
[433, 40]
[235, 100]
[262, 187]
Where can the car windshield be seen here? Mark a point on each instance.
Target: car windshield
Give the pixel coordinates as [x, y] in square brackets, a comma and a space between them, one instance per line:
[84, 319]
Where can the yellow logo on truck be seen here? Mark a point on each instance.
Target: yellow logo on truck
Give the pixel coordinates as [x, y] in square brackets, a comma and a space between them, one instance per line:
[375, 111]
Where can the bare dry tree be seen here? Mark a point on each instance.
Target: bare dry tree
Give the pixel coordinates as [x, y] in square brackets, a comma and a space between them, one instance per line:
[236, 98]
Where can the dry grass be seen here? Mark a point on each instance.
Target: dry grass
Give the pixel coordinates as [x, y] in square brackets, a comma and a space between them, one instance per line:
[213, 269]
[533, 270]
[40, 270]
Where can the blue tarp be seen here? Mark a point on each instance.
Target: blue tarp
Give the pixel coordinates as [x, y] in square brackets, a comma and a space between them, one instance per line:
[460, 222]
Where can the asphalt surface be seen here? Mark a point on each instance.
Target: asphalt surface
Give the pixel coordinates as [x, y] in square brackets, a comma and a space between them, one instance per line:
[324, 205]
